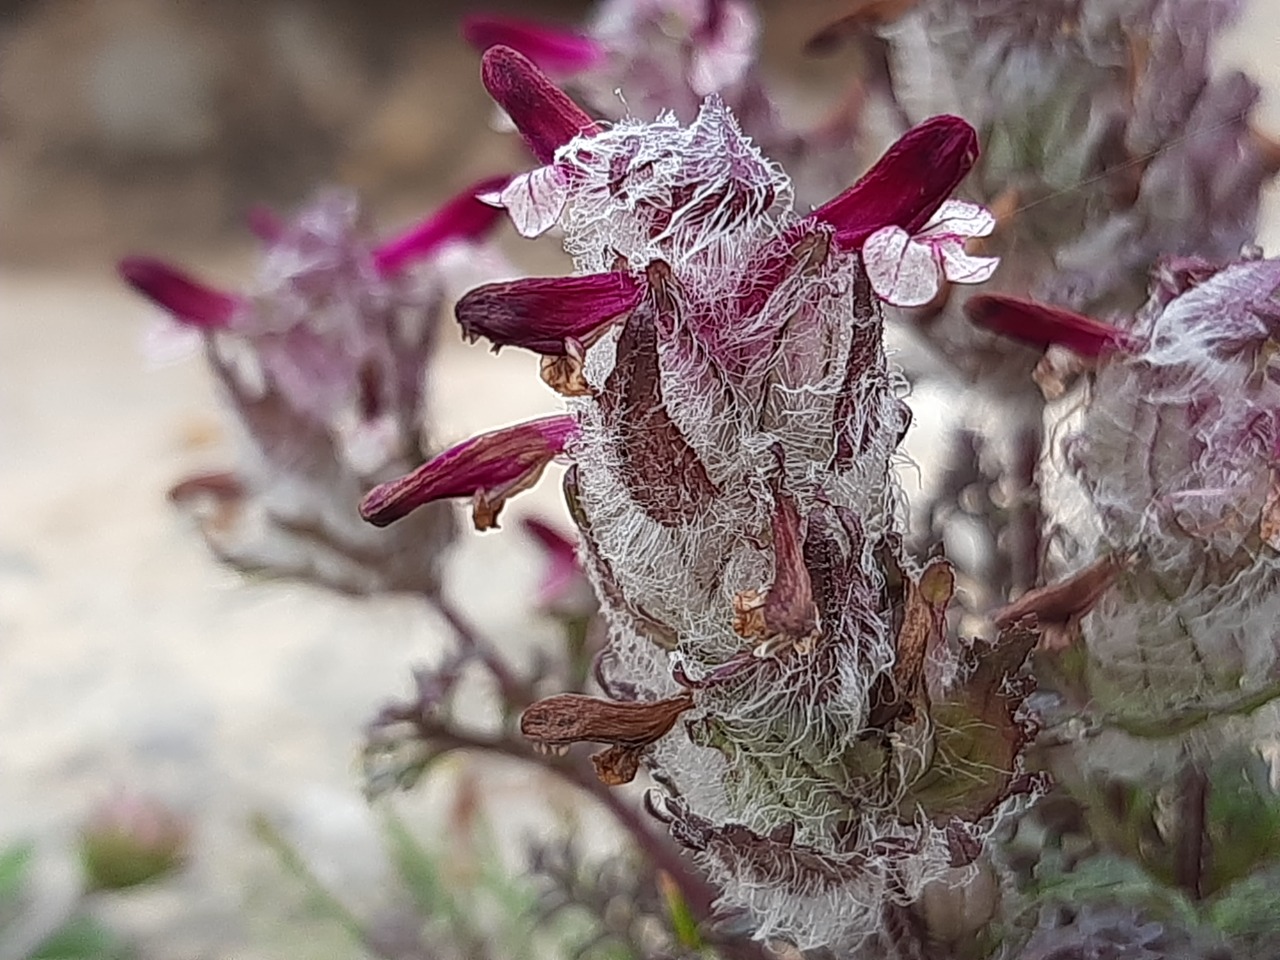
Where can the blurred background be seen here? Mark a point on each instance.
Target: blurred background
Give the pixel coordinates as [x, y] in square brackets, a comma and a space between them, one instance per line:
[130, 661]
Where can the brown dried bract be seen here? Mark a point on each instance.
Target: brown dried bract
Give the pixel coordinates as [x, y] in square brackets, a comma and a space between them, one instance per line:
[785, 616]
[565, 374]
[923, 627]
[648, 440]
[616, 765]
[1058, 607]
[573, 717]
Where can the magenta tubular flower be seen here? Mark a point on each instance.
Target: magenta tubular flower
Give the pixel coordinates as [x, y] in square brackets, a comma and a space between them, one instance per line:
[464, 218]
[323, 367]
[554, 51]
[186, 299]
[489, 469]
[543, 113]
[907, 185]
[564, 590]
[541, 313]
[771, 652]
[1041, 325]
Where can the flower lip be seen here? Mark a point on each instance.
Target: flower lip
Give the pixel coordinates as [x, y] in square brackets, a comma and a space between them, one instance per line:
[555, 50]
[1042, 325]
[464, 217]
[489, 468]
[187, 299]
[544, 114]
[906, 186]
[541, 313]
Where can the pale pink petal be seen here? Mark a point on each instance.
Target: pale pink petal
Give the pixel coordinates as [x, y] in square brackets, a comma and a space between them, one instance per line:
[722, 60]
[166, 342]
[961, 267]
[902, 271]
[533, 200]
[959, 218]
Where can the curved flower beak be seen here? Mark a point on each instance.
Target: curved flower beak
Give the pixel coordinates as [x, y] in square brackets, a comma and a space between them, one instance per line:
[907, 185]
[556, 51]
[489, 468]
[544, 114]
[187, 299]
[464, 217]
[1041, 325]
[541, 313]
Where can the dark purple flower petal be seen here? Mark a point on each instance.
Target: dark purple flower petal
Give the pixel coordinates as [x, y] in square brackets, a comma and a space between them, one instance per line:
[908, 184]
[1041, 325]
[553, 49]
[190, 301]
[543, 113]
[489, 468]
[540, 313]
[465, 217]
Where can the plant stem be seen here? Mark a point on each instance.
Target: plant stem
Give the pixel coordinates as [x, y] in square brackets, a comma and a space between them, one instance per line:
[515, 692]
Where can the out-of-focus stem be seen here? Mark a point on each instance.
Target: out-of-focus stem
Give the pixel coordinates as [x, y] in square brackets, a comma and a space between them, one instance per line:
[516, 694]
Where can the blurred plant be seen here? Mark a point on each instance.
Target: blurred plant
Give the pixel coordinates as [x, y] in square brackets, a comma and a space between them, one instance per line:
[1163, 504]
[1166, 507]
[324, 369]
[1108, 141]
[734, 419]
[128, 841]
[132, 840]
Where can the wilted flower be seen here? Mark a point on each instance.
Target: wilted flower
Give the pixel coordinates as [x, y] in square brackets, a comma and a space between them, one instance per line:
[643, 58]
[773, 659]
[324, 366]
[131, 840]
[1168, 460]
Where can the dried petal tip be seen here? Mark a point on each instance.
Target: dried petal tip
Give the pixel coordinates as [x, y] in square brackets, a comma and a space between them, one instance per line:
[189, 300]
[908, 184]
[543, 113]
[553, 50]
[489, 468]
[465, 217]
[541, 313]
[629, 727]
[1041, 325]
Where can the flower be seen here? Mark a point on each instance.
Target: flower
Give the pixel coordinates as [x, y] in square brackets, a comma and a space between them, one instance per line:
[323, 367]
[907, 269]
[646, 58]
[773, 657]
[489, 468]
